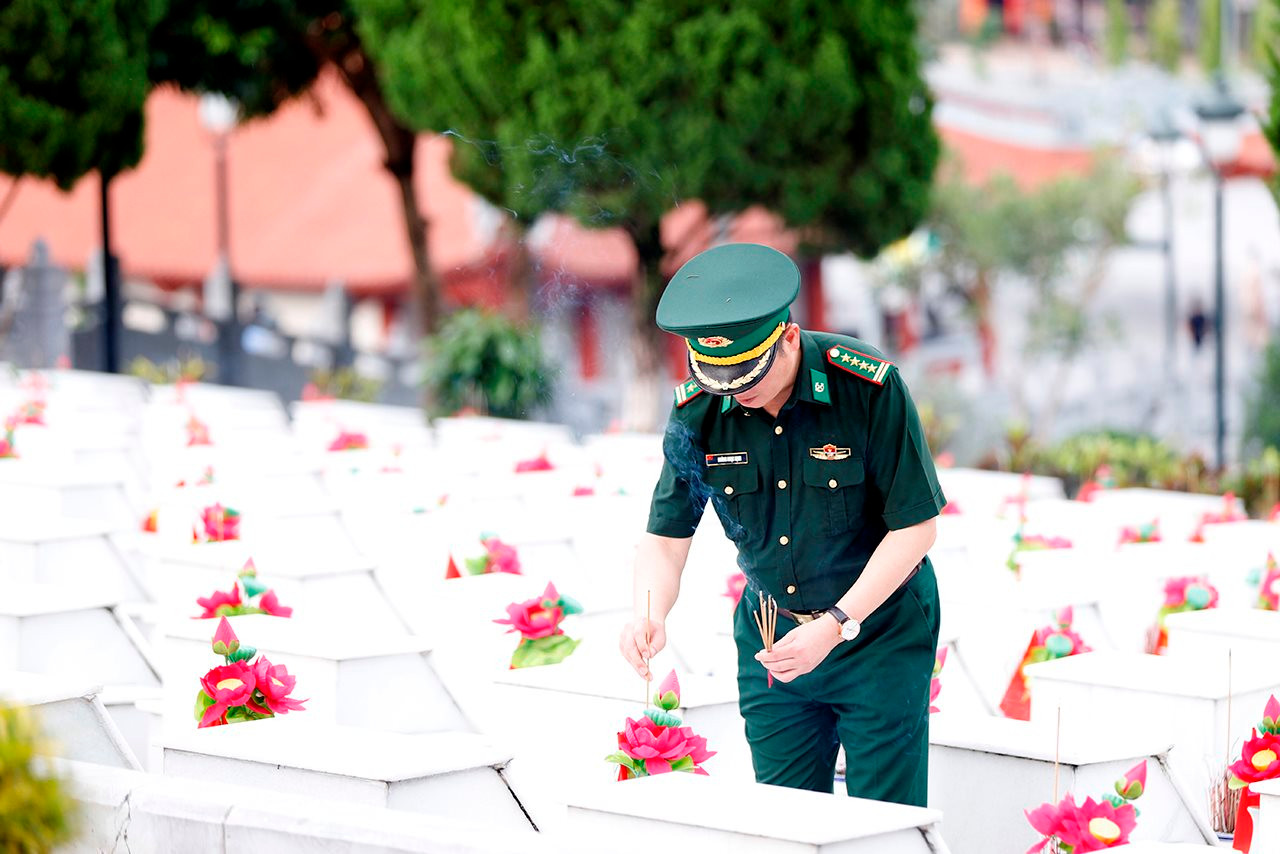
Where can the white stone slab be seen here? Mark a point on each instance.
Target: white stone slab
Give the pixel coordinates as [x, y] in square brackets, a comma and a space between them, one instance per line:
[1183, 700]
[1179, 512]
[30, 491]
[456, 774]
[1252, 636]
[1266, 824]
[985, 771]
[70, 552]
[72, 716]
[354, 678]
[685, 812]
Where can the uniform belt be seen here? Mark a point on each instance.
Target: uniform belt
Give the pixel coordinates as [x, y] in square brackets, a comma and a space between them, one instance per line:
[802, 617]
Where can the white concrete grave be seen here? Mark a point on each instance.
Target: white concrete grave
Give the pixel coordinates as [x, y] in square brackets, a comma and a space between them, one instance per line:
[452, 774]
[1183, 700]
[71, 715]
[1266, 824]
[68, 552]
[30, 491]
[985, 771]
[349, 676]
[1179, 512]
[986, 493]
[686, 812]
[1252, 636]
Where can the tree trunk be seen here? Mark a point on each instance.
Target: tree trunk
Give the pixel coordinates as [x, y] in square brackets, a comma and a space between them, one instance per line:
[986, 329]
[640, 406]
[357, 72]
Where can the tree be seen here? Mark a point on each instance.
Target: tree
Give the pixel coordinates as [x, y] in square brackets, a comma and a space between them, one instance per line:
[1269, 23]
[263, 52]
[1165, 33]
[1210, 35]
[1117, 32]
[616, 112]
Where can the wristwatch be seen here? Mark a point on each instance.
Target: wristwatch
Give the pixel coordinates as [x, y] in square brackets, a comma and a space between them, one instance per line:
[849, 627]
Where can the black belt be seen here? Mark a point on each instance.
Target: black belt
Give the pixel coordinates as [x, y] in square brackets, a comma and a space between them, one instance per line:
[802, 617]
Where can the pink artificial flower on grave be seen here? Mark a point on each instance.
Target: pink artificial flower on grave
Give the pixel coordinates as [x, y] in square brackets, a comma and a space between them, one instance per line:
[220, 523]
[346, 441]
[935, 685]
[1227, 514]
[536, 618]
[1091, 826]
[951, 508]
[311, 392]
[151, 522]
[224, 641]
[1190, 590]
[211, 603]
[944, 460]
[1274, 514]
[1269, 589]
[228, 685]
[538, 463]
[1133, 783]
[197, 432]
[31, 412]
[660, 747]
[1148, 533]
[270, 604]
[1259, 760]
[275, 683]
[734, 585]
[502, 557]
[583, 491]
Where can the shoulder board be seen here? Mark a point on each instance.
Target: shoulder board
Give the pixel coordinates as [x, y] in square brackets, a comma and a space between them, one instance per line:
[859, 364]
[686, 392]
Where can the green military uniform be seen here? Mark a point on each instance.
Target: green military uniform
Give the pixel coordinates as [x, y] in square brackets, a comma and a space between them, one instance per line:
[807, 497]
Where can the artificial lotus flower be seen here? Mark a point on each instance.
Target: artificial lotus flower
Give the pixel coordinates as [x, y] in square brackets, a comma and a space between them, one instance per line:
[951, 508]
[734, 585]
[220, 523]
[270, 604]
[583, 491]
[197, 432]
[31, 412]
[1032, 543]
[1047, 643]
[935, 684]
[1091, 826]
[225, 641]
[501, 557]
[1269, 589]
[1187, 593]
[1148, 533]
[661, 749]
[7, 448]
[275, 684]
[151, 523]
[538, 463]
[542, 641]
[1229, 513]
[349, 441]
[1133, 783]
[229, 685]
[219, 600]
[1259, 760]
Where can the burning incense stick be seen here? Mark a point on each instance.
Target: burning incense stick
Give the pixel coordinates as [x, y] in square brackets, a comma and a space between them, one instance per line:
[767, 622]
[648, 608]
[1057, 752]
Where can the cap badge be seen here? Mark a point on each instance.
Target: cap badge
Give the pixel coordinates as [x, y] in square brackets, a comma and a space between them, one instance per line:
[830, 453]
[715, 341]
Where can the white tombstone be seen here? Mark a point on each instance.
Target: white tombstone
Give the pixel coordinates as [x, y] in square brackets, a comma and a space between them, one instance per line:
[71, 716]
[1252, 636]
[348, 675]
[69, 552]
[29, 491]
[454, 774]
[1185, 701]
[984, 772]
[686, 812]
[1266, 824]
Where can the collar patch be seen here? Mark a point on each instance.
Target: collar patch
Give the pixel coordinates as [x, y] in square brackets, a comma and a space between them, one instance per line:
[686, 392]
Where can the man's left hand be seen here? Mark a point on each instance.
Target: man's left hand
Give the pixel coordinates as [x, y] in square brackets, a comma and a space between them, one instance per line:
[802, 649]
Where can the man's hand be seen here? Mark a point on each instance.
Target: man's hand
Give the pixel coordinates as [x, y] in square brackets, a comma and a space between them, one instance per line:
[632, 643]
[803, 649]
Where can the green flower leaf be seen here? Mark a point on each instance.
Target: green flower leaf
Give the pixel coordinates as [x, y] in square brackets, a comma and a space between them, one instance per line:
[667, 701]
[661, 717]
[684, 763]
[535, 652]
[570, 606]
[244, 653]
[203, 701]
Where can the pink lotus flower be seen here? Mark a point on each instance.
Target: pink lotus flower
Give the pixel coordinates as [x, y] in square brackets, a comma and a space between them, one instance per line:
[935, 684]
[1149, 533]
[538, 463]
[1228, 514]
[1259, 759]
[734, 586]
[1193, 591]
[502, 557]
[346, 441]
[1269, 589]
[225, 641]
[536, 618]
[659, 747]
[1091, 826]
[197, 432]
[275, 683]
[230, 685]
[1133, 783]
[211, 604]
[31, 412]
[951, 509]
[270, 604]
[220, 523]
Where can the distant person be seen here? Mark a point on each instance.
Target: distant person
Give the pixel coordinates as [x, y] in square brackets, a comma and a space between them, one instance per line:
[1198, 321]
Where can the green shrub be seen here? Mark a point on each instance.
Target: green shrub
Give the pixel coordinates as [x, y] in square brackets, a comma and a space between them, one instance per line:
[36, 813]
[1210, 35]
[1262, 409]
[486, 362]
[345, 384]
[1117, 32]
[1164, 29]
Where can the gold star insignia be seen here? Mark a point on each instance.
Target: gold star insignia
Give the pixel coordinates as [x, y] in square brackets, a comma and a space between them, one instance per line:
[845, 358]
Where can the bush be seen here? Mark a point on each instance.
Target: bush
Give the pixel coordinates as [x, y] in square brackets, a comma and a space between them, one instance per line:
[185, 368]
[345, 384]
[486, 362]
[36, 813]
[1262, 410]
[1165, 32]
[1116, 36]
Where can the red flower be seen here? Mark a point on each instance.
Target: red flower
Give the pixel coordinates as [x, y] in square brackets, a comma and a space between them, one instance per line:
[1133, 783]
[734, 586]
[502, 557]
[150, 524]
[229, 685]
[536, 618]
[660, 746]
[197, 432]
[349, 442]
[220, 523]
[1193, 591]
[271, 605]
[1091, 826]
[275, 683]
[1259, 759]
[212, 603]
[1269, 590]
[538, 463]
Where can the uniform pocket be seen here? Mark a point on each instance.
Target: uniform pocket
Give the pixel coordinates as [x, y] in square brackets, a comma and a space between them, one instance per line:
[730, 486]
[837, 485]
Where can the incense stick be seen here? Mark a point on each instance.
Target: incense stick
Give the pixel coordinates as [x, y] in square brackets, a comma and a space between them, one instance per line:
[1057, 752]
[1228, 726]
[648, 675]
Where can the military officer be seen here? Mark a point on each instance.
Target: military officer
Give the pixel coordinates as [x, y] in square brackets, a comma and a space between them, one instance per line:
[810, 450]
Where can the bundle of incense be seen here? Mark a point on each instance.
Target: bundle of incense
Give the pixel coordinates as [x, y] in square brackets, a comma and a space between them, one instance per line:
[767, 622]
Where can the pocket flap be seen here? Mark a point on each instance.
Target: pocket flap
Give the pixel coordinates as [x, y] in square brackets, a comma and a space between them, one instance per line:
[733, 480]
[833, 474]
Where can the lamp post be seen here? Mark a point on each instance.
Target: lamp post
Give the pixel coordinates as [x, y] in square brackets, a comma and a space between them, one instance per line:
[1164, 133]
[1220, 145]
[219, 115]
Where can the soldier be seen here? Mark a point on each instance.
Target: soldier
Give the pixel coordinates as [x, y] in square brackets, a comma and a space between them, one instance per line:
[809, 447]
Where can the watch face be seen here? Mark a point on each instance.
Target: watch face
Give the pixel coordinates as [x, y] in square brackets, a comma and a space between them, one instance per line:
[849, 629]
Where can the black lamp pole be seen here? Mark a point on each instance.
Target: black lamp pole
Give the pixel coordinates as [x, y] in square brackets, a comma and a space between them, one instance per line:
[110, 285]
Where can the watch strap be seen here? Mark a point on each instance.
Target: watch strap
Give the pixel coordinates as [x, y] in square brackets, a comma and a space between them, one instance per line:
[841, 616]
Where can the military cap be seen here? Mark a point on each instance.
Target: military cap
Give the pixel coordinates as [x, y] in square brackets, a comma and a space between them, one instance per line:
[730, 304]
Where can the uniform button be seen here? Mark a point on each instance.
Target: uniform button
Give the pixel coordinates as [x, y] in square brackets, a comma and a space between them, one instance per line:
[832, 483]
[778, 430]
[784, 539]
[833, 352]
[728, 490]
[791, 588]
[782, 484]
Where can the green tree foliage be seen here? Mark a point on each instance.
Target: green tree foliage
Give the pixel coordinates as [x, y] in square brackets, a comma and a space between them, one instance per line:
[36, 812]
[1210, 35]
[1164, 29]
[1262, 416]
[73, 81]
[484, 361]
[263, 52]
[1116, 41]
[615, 112]
[1268, 24]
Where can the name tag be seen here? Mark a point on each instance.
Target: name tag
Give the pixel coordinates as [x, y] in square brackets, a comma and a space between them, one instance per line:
[733, 458]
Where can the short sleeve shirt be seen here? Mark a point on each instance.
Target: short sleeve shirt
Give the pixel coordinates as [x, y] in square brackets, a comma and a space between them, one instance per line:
[806, 497]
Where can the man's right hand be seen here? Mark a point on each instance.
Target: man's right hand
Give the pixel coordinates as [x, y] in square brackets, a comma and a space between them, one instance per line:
[632, 643]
